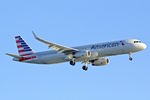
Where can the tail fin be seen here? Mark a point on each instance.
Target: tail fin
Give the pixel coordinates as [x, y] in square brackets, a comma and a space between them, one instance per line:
[23, 48]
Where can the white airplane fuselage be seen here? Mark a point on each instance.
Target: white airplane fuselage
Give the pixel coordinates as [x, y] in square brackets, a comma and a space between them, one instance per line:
[97, 51]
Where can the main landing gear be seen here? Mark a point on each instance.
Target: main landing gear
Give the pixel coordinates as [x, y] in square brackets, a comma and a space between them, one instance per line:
[130, 56]
[72, 62]
[85, 68]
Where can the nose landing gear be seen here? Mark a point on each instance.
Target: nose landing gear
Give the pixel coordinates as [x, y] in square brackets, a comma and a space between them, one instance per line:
[85, 67]
[130, 56]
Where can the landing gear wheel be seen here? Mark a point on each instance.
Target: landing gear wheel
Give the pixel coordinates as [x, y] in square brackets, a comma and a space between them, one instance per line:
[130, 58]
[72, 63]
[85, 68]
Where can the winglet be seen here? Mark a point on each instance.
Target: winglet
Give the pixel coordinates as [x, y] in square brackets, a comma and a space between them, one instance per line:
[34, 34]
[41, 40]
[36, 37]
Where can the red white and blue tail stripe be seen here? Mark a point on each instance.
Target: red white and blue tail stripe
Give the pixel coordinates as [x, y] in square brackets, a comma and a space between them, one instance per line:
[23, 48]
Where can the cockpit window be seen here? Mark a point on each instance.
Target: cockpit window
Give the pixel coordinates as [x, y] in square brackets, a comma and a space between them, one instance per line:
[137, 41]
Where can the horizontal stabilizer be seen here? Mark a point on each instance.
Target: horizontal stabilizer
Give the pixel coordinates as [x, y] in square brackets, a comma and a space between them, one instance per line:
[13, 55]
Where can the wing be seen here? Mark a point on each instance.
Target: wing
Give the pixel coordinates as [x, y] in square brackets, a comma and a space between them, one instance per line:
[57, 47]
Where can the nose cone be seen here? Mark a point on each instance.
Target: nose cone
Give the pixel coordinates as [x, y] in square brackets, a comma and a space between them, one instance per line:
[144, 46]
[140, 46]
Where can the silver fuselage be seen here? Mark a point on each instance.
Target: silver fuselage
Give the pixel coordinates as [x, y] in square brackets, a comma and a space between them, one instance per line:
[103, 49]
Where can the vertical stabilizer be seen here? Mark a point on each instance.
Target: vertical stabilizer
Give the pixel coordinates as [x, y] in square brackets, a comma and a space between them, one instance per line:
[23, 48]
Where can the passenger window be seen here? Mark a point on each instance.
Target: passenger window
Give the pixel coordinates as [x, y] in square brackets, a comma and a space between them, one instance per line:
[137, 41]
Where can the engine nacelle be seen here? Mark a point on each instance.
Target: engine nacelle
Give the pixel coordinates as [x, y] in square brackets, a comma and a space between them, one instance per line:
[101, 62]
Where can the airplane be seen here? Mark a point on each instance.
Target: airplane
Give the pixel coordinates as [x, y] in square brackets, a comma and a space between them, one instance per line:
[94, 54]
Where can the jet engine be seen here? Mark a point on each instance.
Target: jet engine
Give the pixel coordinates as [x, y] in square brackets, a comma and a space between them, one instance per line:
[100, 62]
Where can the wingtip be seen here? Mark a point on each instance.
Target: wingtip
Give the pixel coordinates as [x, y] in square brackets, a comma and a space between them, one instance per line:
[34, 34]
[6, 53]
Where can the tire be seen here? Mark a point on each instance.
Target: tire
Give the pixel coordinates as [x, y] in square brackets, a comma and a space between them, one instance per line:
[130, 59]
[72, 63]
[85, 68]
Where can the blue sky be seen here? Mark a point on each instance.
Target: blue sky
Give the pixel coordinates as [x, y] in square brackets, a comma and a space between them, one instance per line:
[74, 23]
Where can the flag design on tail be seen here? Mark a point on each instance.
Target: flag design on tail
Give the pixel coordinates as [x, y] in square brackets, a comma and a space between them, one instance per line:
[23, 49]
